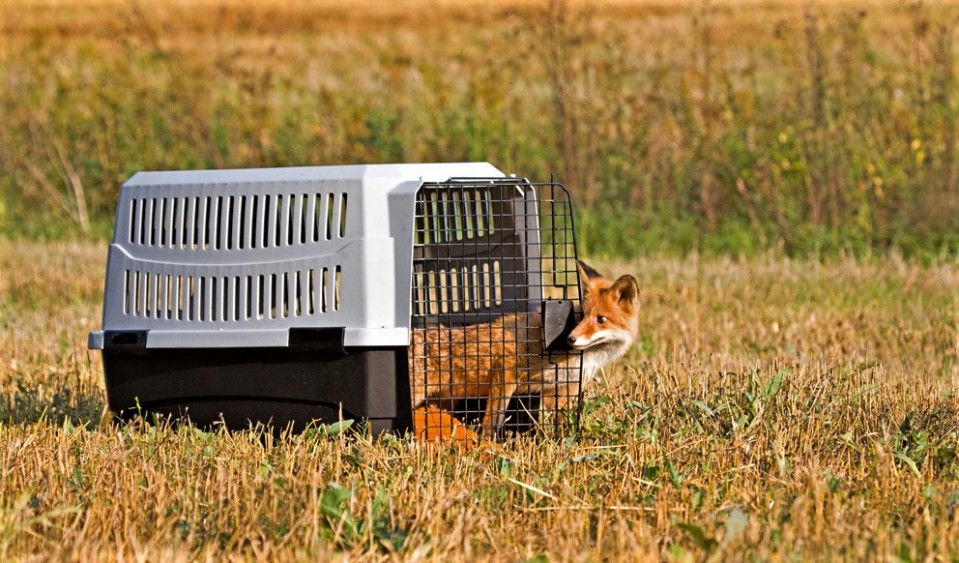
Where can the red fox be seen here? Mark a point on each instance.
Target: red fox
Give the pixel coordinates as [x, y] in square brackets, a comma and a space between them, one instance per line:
[498, 359]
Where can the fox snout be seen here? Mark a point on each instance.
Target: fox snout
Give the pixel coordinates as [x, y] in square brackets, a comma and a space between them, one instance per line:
[590, 336]
[581, 343]
[583, 337]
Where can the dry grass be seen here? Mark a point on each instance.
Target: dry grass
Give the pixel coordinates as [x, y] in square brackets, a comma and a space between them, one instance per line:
[776, 409]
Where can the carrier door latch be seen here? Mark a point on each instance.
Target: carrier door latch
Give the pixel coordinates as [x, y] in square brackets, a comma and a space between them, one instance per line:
[559, 319]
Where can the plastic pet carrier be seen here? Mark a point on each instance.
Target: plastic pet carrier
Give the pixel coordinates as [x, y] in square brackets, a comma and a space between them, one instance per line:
[314, 294]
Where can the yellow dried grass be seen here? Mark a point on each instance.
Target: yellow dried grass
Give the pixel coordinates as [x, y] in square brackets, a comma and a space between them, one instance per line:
[774, 409]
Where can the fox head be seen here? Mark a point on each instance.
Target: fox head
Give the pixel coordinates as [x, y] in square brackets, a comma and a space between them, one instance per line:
[610, 312]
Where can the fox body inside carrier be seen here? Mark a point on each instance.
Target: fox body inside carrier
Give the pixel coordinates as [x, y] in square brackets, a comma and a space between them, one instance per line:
[294, 295]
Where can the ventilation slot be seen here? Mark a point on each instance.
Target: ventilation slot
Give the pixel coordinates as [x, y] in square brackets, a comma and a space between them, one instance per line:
[134, 223]
[329, 216]
[339, 284]
[311, 292]
[208, 223]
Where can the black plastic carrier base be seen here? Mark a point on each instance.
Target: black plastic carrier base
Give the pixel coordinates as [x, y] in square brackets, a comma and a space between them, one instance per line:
[280, 387]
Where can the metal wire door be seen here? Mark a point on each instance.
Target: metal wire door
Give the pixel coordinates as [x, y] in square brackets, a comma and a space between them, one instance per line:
[494, 274]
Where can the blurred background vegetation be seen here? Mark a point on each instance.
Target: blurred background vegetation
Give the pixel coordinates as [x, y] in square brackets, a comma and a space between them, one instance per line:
[736, 126]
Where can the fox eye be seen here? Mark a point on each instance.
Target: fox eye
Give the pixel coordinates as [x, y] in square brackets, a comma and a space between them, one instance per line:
[600, 319]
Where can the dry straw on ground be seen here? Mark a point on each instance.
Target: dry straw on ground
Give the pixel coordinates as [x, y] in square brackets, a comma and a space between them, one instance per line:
[775, 408]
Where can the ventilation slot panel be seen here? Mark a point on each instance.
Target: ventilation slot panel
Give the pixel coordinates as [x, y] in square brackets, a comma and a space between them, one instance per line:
[232, 298]
[459, 289]
[453, 215]
[237, 222]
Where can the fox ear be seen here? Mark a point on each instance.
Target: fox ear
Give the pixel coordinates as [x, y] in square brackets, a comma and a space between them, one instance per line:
[588, 276]
[628, 289]
[586, 272]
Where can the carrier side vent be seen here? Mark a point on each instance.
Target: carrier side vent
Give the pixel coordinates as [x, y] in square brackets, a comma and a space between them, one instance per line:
[237, 222]
[198, 298]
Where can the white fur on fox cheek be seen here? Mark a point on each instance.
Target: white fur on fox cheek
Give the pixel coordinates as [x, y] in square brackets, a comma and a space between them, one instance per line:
[604, 348]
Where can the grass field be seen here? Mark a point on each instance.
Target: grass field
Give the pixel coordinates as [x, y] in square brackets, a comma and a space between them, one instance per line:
[775, 408]
[788, 404]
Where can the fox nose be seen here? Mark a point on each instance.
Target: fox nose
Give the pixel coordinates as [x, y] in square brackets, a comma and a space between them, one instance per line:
[571, 340]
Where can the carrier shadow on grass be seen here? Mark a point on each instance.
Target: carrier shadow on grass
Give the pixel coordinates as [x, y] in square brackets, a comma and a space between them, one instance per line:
[32, 404]
[65, 408]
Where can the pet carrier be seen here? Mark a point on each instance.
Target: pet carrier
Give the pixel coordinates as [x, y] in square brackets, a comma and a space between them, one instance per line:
[294, 295]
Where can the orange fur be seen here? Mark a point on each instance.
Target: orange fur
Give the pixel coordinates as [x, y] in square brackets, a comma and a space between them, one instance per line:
[431, 424]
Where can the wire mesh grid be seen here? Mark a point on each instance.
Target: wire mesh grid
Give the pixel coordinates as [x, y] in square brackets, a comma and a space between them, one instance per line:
[494, 289]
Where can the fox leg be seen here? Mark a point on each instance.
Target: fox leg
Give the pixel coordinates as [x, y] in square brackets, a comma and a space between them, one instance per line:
[500, 392]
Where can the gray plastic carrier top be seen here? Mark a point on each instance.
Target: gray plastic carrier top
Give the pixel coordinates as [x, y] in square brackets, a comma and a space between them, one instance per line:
[238, 258]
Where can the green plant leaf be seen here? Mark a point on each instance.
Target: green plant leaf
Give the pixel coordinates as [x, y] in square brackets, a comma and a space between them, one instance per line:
[775, 383]
[698, 535]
